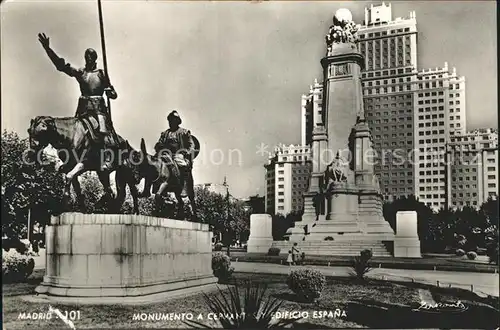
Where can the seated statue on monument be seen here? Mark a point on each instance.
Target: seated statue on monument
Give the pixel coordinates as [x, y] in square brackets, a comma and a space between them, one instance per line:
[91, 108]
[337, 172]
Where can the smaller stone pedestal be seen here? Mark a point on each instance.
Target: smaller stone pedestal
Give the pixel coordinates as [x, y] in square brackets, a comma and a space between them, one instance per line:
[261, 233]
[406, 242]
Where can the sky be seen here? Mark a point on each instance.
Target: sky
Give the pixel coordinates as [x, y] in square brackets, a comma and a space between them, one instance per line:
[235, 71]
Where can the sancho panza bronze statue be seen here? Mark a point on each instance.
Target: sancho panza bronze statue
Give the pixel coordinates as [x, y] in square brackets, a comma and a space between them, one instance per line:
[93, 83]
[177, 144]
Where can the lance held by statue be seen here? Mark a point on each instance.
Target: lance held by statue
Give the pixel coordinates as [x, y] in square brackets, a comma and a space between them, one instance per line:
[91, 107]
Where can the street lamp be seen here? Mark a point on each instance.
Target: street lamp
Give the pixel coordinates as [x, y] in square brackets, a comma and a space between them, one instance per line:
[228, 225]
[446, 174]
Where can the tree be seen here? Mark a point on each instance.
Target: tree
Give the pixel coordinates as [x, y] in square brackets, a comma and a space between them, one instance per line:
[93, 192]
[489, 209]
[257, 204]
[27, 184]
[472, 225]
[212, 210]
[443, 229]
[240, 224]
[279, 226]
[282, 223]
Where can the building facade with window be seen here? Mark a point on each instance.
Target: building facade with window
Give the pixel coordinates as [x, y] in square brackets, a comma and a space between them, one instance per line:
[311, 112]
[412, 113]
[439, 115]
[287, 175]
[388, 80]
[473, 168]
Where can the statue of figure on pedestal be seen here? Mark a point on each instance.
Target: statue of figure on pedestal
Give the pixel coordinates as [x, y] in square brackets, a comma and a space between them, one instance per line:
[93, 84]
[337, 172]
[343, 30]
[170, 169]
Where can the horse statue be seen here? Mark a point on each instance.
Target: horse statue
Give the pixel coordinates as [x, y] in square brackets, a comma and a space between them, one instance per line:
[80, 154]
[162, 175]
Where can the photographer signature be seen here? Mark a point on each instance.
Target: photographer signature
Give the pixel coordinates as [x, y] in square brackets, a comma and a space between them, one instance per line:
[456, 307]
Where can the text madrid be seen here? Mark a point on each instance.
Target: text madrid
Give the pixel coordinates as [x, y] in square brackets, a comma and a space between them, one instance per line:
[214, 316]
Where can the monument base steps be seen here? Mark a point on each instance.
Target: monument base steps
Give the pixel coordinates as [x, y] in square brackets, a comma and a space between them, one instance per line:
[129, 300]
[345, 246]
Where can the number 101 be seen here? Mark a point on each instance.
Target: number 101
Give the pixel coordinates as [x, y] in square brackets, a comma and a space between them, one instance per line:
[72, 315]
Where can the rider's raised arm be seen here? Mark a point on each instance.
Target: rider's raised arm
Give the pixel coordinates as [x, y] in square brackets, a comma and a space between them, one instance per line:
[61, 64]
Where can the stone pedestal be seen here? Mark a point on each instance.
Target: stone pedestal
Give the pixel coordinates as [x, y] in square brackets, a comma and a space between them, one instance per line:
[114, 259]
[406, 242]
[261, 233]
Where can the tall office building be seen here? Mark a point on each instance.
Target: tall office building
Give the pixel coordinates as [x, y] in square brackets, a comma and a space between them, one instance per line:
[390, 50]
[287, 174]
[473, 167]
[439, 115]
[311, 112]
[411, 113]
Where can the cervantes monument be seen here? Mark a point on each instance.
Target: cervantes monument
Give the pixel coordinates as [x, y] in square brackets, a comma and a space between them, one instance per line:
[343, 206]
[119, 258]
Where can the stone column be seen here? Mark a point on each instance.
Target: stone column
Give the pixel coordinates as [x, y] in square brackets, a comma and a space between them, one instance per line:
[406, 242]
[318, 145]
[342, 96]
[363, 164]
[261, 233]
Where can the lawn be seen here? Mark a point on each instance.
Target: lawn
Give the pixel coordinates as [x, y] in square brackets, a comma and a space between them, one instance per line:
[336, 295]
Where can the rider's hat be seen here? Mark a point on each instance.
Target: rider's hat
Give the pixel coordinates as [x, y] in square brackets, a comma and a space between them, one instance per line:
[174, 116]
